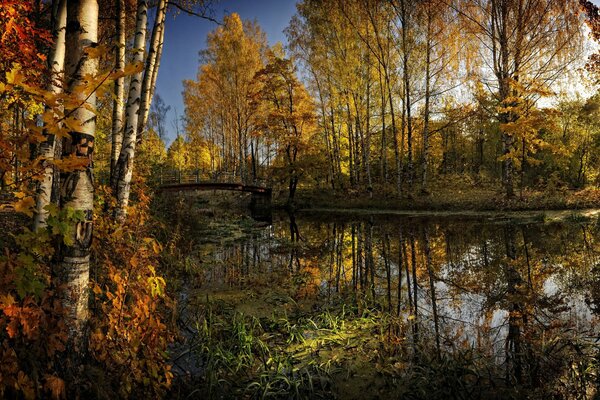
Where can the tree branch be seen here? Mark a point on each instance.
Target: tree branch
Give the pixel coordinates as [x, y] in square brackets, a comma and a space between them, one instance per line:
[195, 14]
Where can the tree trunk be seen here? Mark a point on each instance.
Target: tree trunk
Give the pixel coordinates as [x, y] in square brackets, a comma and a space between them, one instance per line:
[351, 160]
[394, 135]
[367, 145]
[404, 15]
[47, 148]
[383, 155]
[152, 64]
[119, 100]
[71, 271]
[124, 167]
[425, 158]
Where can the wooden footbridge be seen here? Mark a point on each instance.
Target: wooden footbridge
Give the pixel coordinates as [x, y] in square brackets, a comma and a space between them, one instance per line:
[189, 181]
[178, 181]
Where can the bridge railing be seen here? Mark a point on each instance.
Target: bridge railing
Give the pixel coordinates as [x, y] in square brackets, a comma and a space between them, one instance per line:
[173, 177]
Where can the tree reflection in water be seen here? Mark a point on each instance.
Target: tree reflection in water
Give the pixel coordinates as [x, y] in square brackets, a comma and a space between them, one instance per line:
[513, 305]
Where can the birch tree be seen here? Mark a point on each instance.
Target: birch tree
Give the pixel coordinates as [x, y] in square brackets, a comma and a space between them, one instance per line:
[525, 43]
[71, 271]
[219, 103]
[152, 64]
[118, 102]
[56, 62]
[124, 166]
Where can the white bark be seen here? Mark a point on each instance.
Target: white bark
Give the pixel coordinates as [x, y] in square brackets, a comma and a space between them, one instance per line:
[152, 64]
[124, 168]
[71, 272]
[57, 65]
[118, 103]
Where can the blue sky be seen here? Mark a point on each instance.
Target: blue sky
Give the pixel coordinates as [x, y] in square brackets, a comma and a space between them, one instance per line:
[185, 36]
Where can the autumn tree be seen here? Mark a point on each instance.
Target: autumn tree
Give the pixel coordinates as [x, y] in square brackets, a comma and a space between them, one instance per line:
[326, 41]
[178, 154]
[524, 44]
[77, 187]
[225, 81]
[56, 64]
[592, 13]
[124, 165]
[289, 116]
[119, 90]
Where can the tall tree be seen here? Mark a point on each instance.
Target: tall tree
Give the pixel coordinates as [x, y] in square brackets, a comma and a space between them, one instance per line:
[124, 166]
[119, 100]
[71, 270]
[290, 116]
[224, 86]
[56, 62]
[525, 42]
[152, 64]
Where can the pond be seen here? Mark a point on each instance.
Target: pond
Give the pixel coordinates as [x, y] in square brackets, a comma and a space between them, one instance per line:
[371, 306]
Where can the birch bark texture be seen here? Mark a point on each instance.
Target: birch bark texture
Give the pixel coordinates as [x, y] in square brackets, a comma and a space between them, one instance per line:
[57, 65]
[152, 65]
[71, 270]
[124, 166]
[119, 100]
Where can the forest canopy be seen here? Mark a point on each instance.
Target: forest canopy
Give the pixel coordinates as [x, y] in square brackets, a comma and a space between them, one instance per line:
[409, 96]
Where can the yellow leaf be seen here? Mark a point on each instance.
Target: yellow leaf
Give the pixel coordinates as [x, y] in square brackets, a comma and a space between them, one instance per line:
[71, 163]
[156, 247]
[25, 206]
[14, 76]
[96, 52]
[7, 300]
[73, 125]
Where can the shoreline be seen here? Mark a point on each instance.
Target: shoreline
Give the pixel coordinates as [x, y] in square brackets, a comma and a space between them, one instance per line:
[538, 215]
[465, 201]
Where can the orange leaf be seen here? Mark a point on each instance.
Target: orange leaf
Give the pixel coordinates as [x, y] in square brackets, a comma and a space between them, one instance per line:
[12, 328]
[55, 386]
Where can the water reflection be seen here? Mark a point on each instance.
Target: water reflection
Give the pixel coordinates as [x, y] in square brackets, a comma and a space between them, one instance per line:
[520, 299]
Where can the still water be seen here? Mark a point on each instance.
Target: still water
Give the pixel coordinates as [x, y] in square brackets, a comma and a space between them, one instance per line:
[502, 307]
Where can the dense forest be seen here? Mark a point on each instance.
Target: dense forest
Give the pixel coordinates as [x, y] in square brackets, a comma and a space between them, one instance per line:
[400, 98]
[131, 266]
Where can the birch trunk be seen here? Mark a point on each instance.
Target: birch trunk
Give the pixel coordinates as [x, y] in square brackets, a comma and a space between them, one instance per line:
[154, 74]
[71, 271]
[57, 65]
[152, 64]
[124, 167]
[118, 103]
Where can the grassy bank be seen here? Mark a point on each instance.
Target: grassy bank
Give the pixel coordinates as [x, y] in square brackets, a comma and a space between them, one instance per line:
[449, 199]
